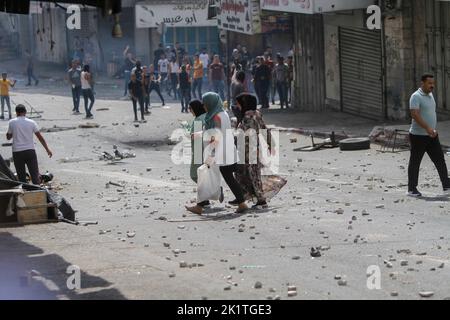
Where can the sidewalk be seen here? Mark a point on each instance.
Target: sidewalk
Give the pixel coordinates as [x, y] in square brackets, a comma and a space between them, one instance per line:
[443, 130]
[340, 123]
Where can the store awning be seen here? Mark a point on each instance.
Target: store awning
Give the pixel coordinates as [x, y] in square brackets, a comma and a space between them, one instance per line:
[314, 6]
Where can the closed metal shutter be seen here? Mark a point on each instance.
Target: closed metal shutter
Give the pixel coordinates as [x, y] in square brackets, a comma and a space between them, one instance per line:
[438, 50]
[446, 85]
[361, 72]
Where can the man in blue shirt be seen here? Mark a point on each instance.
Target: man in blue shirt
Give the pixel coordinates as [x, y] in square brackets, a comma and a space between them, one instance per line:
[424, 137]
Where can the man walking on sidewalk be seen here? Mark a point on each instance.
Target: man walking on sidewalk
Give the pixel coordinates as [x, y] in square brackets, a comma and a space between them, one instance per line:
[21, 130]
[424, 137]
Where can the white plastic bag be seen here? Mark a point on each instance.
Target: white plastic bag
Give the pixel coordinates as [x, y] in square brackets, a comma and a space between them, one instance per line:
[208, 183]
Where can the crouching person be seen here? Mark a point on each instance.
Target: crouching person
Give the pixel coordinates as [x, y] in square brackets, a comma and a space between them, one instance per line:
[21, 130]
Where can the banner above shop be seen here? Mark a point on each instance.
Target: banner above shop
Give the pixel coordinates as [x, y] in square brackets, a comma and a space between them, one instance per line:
[276, 22]
[241, 16]
[173, 15]
[314, 6]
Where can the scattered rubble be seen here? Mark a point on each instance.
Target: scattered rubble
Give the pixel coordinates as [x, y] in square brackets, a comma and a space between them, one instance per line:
[342, 282]
[56, 129]
[315, 253]
[426, 294]
[89, 125]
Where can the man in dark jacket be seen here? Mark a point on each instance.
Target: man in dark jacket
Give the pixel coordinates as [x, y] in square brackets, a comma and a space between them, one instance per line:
[262, 78]
[74, 77]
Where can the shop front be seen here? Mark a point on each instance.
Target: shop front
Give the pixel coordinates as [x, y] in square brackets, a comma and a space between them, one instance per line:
[277, 31]
[333, 69]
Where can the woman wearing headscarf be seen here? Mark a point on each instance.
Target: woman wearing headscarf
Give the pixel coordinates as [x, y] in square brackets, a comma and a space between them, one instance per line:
[249, 174]
[196, 129]
[222, 147]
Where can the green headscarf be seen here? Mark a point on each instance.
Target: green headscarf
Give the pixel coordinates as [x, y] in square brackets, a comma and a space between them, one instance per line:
[214, 105]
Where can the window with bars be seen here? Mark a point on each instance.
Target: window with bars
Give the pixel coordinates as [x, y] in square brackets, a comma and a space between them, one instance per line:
[194, 39]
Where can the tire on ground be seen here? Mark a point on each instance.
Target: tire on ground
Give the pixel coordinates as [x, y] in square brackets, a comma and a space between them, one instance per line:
[354, 144]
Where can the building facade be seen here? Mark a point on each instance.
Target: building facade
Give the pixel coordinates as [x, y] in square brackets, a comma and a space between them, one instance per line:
[144, 25]
[343, 65]
[43, 31]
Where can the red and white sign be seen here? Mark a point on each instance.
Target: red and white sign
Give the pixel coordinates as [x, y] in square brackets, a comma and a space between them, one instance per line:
[239, 16]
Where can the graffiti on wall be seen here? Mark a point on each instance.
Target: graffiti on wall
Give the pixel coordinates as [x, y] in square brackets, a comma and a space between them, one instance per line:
[392, 51]
[331, 56]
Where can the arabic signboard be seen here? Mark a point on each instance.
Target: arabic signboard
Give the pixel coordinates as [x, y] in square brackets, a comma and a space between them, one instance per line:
[314, 6]
[241, 16]
[173, 15]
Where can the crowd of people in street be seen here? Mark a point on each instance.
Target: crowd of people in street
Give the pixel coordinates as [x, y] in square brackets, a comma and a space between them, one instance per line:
[264, 75]
[173, 72]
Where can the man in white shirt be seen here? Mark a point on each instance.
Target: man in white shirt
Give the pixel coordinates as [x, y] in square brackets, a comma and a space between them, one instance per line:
[163, 67]
[204, 58]
[21, 130]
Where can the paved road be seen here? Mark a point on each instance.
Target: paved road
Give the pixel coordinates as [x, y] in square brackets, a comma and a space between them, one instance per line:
[352, 204]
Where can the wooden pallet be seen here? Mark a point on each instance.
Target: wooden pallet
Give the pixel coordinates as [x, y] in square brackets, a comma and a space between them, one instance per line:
[33, 208]
[36, 209]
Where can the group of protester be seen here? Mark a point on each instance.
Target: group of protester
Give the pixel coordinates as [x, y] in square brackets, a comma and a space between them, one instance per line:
[173, 72]
[268, 77]
[82, 84]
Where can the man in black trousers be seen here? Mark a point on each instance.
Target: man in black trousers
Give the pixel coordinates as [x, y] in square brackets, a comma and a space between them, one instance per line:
[21, 130]
[424, 137]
